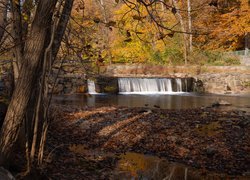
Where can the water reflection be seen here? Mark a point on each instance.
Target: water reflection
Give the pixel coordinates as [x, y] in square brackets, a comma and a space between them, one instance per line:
[140, 166]
[181, 101]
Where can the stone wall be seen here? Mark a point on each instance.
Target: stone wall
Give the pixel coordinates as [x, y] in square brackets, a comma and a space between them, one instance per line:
[142, 70]
[71, 78]
[69, 85]
[224, 83]
[105, 84]
[210, 79]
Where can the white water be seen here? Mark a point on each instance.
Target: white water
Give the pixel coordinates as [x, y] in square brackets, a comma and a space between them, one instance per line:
[179, 85]
[91, 87]
[148, 86]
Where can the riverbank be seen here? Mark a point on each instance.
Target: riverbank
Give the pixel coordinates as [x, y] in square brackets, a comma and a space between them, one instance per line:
[87, 142]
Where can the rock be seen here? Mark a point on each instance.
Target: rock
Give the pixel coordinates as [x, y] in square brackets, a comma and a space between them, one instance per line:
[145, 111]
[224, 103]
[210, 152]
[156, 106]
[246, 173]
[215, 104]
[221, 103]
[5, 174]
[172, 138]
[229, 122]
[236, 128]
[244, 123]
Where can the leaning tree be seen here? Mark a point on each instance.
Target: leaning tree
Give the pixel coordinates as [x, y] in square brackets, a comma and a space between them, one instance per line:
[36, 30]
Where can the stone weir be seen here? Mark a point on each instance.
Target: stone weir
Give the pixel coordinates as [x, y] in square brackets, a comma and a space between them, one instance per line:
[138, 78]
[139, 85]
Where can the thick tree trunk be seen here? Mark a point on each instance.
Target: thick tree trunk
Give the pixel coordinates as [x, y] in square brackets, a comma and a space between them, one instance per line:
[17, 35]
[34, 50]
[3, 16]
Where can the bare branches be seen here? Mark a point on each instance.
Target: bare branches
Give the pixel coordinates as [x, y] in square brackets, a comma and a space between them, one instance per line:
[153, 12]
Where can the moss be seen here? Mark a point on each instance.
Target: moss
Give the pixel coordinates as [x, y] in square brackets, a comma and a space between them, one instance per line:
[110, 89]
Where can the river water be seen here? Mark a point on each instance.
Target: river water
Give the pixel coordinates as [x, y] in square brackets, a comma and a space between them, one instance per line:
[172, 101]
[139, 166]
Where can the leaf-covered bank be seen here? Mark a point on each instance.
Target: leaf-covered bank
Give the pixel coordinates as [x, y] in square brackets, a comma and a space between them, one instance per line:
[210, 139]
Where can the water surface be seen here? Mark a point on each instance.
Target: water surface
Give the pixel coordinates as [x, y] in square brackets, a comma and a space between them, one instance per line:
[139, 166]
[166, 101]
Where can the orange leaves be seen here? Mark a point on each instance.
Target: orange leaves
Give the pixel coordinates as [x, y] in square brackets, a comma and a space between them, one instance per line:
[230, 27]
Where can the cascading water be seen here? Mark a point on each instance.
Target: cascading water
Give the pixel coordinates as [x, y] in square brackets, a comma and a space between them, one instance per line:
[186, 84]
[148, 85]
[179, 85]
[91, 87]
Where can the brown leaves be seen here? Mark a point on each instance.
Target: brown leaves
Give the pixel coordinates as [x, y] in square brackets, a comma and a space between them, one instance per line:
[97, 20]
[128, 40]
[138, 18]
[174, 10]
[167, 133]
[111, 23]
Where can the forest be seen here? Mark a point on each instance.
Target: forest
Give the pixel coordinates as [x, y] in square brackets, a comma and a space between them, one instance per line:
[174, 32]
[124, 89]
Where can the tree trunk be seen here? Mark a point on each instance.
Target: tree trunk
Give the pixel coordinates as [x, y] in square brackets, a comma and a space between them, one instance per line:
[61, 27]
[190, 27]
[3, 16]
[28, 76]
[183, 29]
[17, 35]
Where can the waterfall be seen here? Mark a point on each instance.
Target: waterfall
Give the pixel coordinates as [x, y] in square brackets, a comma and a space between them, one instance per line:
[179, 85]
[145, 85]
[186, 85]
[91, 87]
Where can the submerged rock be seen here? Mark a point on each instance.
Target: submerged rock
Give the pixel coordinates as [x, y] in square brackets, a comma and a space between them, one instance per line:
[221, 103]
[156, 106]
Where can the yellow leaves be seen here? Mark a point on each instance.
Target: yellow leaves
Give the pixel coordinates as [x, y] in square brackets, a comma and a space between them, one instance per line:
[25, 17]
[104, 53]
